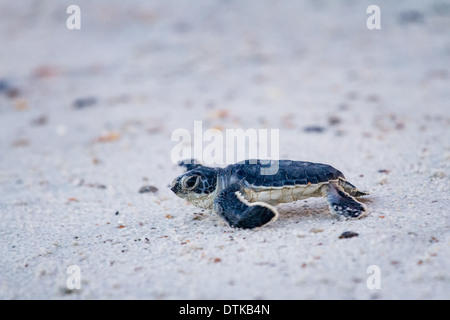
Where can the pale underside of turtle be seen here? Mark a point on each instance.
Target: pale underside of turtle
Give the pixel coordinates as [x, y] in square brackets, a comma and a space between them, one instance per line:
[245, 194]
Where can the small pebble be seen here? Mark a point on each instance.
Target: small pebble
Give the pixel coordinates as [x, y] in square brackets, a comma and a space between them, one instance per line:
[95, 185]
[84, 102]
[219, 114]
[20, 104]
[352, 95]
[316, 230]
[410, 16]
[20, 143]
[3, 85]
[145, 189]
[39, 121]
[9, 90]
[348, 234]
[373, 98]
[334, 120]
[108, 137]
[314, 129]
[343, 107]
[438, 174]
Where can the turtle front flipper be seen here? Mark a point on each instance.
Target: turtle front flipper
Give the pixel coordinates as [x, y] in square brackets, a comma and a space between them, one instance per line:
[343, 204]
[238, 212]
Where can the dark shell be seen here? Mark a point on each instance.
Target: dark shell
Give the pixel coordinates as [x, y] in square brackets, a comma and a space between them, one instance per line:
[348, 234]
[289, 173]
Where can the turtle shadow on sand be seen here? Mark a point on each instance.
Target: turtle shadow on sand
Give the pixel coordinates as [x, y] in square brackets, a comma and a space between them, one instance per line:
[305, 210]
[298, 212]
[312, 209]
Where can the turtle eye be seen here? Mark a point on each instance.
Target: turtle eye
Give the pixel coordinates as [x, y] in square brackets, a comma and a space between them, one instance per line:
[191, 182]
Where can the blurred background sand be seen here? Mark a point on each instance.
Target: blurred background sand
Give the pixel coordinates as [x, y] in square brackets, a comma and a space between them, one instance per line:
[86, 118]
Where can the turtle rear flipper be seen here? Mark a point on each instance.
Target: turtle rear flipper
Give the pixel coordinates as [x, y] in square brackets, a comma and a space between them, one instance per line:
[238, 212]
[343, 204]
[351, 189]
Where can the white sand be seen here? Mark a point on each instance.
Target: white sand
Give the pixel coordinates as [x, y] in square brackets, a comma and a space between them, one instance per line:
[153, 68]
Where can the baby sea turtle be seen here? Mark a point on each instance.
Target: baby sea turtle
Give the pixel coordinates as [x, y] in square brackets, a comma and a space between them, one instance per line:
[245, 195]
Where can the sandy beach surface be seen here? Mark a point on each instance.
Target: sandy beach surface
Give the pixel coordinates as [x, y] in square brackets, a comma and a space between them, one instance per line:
[86, 119]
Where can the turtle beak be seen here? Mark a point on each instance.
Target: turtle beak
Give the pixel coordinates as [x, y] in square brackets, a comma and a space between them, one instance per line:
[175, 187]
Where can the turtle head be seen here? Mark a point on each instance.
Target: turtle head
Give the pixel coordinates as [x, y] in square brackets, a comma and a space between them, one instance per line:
[197, 186]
